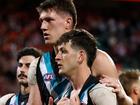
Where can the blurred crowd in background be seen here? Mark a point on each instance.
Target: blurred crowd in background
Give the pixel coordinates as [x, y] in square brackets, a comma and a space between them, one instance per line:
[115, 25]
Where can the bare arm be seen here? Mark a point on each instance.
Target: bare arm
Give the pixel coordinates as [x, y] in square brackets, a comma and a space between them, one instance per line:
[34, 97]
[103, 64]
[122, 97]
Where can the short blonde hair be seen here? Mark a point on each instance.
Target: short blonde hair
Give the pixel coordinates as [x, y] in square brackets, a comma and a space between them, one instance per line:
[128, 78]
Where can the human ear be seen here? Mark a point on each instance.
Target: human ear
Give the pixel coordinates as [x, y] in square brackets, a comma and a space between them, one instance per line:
[81, 56]
[68, 23]
[135, 89]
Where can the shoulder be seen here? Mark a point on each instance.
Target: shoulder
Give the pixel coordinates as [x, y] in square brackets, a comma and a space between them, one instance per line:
[5, 98]
[101, 87]
[101, 95]
[34, 63]
[32, 72]
[103, 64]
[103, 55]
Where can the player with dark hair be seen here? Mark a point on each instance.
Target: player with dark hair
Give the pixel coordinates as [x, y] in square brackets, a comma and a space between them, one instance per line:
[24, 59]
[58, 17]
[76, 51]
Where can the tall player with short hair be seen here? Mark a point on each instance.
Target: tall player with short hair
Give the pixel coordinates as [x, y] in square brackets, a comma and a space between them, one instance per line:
[58, 17]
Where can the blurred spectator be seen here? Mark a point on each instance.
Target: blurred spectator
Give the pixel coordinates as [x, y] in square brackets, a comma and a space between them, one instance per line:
[131, 83]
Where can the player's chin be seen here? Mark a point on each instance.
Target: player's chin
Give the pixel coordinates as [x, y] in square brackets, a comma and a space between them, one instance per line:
[46, 42]
[50, 42]
[61, 72]
[22, 81]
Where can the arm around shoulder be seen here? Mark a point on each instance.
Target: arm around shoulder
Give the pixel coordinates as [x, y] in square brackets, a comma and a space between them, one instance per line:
[102, 95]
[125, 101]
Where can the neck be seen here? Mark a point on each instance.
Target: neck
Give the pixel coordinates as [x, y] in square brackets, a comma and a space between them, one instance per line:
[24, 90]
[79, 78]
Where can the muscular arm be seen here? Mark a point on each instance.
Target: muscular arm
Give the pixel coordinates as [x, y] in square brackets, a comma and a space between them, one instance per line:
[5, 98]
[122, 97]
[103, 64]
[34, 97]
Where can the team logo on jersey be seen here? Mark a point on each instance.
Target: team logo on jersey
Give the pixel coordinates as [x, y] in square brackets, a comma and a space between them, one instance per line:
[48, 76]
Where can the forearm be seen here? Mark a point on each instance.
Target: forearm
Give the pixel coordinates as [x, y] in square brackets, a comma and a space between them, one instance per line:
[34, 97]
[125, 101]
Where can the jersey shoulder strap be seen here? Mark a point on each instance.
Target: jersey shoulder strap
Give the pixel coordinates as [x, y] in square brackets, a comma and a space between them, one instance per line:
[84, 93]
[9, 100]
[43, 90]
